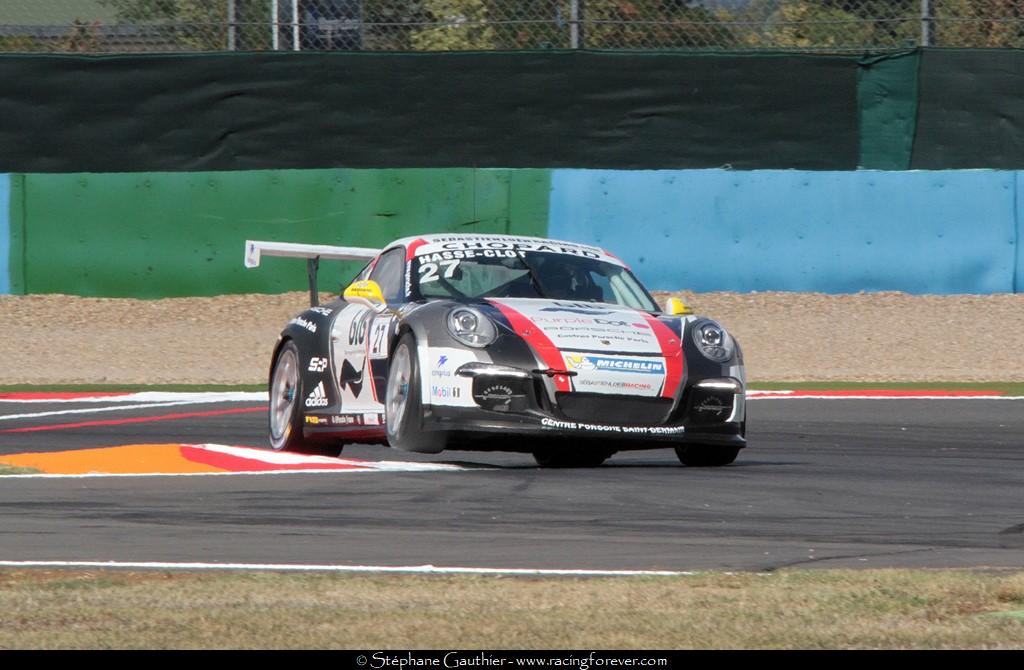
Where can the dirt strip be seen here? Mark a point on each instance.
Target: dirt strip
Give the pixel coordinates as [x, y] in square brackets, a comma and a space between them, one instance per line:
[785, 336]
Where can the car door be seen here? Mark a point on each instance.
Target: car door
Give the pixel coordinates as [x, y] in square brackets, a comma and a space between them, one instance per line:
[359, 342]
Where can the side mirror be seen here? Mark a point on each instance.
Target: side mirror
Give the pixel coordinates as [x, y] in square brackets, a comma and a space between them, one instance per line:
[366, 293]
[676, 307]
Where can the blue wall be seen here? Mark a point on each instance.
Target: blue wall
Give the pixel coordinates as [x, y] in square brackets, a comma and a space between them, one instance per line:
[837, 232]
[5, 234]
[1018, 285]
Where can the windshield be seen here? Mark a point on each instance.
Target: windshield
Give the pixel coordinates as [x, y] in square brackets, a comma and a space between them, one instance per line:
[507, 273]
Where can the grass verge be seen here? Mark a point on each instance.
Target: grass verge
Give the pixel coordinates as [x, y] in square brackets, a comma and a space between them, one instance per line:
[13, 470]
[889, 609]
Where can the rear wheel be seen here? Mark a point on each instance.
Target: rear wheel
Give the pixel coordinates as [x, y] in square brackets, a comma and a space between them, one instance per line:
[403, 405]
[699, 455]
[285, 413]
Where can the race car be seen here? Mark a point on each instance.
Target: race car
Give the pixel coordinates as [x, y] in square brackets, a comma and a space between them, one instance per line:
[499, 342]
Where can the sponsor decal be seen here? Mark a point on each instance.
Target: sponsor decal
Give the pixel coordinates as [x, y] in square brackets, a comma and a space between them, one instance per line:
[317, 364]
[326, 311]
[357, 328]
[710, 404]
[614, 364]
[318, 398]
[352, 378]
[439, 368]
[373, 419]
[587, 308]
[483, 245]
[346, 420]
[621, 324]
[308, 325]
[459, 255]
[575, 320]
[499, 396]
[445, 391]
[604, 383]
[599, 428]
[313, 420]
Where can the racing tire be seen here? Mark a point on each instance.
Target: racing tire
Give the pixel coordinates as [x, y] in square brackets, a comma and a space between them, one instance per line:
[403, 406]
[702, 456]
[285, 397]
[562, 458]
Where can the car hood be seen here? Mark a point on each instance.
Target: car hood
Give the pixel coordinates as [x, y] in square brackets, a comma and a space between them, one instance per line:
[610, 349]
[587, 326]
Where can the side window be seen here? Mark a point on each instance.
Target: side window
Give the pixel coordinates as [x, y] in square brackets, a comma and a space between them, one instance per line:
[602, 287]
[390, 274]
[364, 273]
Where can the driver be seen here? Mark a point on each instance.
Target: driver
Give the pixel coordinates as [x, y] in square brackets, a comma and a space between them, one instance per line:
[564, 281]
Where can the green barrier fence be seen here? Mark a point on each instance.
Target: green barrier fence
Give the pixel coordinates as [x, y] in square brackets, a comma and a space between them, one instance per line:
[547, 109]
[163, 235]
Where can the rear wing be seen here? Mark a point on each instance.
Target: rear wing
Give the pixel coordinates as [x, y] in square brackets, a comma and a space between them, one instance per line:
[255, 249]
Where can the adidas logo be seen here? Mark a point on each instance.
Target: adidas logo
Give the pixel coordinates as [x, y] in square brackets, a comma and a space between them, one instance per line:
[318, 398]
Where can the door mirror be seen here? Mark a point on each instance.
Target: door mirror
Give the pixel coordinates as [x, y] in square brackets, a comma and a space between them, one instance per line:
[676, 307]
[367, 293]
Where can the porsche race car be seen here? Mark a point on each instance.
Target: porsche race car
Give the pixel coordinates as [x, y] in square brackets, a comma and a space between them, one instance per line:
[497, 342]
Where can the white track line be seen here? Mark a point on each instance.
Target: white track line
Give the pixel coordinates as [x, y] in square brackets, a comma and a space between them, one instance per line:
[94, 410]
[305, 471]
[291, 567]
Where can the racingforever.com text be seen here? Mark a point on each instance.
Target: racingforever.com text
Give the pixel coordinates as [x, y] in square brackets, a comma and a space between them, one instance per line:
[455, 659]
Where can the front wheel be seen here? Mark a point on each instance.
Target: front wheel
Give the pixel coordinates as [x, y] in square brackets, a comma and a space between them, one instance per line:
[403, 406]
[699, 455]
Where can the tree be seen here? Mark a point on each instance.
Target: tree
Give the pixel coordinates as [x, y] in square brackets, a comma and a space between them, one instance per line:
[200, 24]
[801, 24]
[979, 23]
[460, 25]
[653, 24]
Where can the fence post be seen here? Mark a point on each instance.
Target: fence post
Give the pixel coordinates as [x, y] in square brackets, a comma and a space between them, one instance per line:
[926, 23]
[232, 35]
[576, 35]
[275, 17]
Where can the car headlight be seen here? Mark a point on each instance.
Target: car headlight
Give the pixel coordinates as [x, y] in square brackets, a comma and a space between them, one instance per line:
[471, 327]
[713, 341]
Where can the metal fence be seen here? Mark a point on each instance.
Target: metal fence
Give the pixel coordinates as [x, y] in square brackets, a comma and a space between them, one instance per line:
[119, 26]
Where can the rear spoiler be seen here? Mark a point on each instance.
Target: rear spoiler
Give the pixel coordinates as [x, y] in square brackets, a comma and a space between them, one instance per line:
[255, 249]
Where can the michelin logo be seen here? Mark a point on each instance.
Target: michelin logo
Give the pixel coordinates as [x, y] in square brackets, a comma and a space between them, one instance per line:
[580, 362]
[318, 398]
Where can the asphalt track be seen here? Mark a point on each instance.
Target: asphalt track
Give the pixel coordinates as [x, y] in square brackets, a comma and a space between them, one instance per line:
[825, 483]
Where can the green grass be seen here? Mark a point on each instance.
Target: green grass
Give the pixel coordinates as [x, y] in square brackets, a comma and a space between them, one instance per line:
[14, 470]
[812, 609]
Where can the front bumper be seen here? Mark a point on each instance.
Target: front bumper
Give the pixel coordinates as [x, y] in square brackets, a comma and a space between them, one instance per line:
[513, 412]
